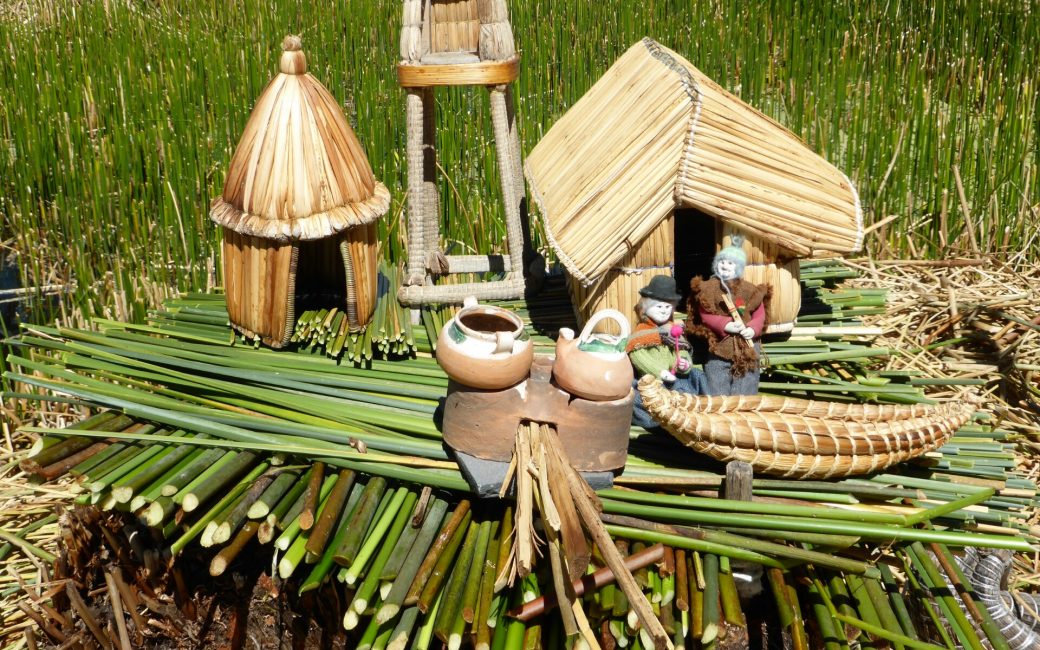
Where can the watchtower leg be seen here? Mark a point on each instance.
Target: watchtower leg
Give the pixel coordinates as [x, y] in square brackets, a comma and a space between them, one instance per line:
[416, 188]
[507, 163]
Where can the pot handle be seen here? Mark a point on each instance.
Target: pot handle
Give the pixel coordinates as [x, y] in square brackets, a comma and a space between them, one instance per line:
[618, 317]
[469, 301]
[503, 342]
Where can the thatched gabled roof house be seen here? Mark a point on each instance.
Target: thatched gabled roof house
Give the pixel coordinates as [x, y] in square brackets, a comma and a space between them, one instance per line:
[654, 153]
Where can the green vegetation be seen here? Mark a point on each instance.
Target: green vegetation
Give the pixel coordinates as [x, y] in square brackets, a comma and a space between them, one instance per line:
[118, 118]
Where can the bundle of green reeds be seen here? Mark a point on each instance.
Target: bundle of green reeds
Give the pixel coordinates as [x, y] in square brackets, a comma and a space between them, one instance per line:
[225, 445]
[422, 564]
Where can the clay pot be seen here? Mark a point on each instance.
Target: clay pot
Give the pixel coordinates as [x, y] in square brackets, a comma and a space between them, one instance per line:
[594, 366]
[485, 347]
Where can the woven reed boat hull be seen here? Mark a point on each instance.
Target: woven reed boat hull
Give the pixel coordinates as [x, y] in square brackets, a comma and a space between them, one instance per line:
[796, 438]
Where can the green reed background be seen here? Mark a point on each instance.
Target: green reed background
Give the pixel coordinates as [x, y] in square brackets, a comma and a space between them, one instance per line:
[118, 119]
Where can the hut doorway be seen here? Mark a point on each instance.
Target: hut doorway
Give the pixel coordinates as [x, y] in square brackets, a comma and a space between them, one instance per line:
[320, 275]
[694, 234]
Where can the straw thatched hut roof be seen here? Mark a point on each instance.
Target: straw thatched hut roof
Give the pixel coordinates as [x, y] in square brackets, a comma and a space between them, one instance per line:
[653, 134]
[299, 172]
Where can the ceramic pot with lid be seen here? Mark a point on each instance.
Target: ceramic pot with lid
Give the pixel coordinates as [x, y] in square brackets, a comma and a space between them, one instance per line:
[594, 366]
[485, 347]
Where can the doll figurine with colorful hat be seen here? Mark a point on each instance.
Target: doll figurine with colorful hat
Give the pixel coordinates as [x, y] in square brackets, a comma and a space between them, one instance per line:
[658, 347]
[731, 314]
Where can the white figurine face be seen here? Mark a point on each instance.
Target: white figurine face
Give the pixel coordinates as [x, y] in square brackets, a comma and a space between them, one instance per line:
[726, 269]
[659, 311]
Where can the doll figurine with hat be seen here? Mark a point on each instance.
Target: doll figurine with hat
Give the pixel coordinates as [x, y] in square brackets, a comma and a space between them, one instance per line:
[658, 347]
[731, 314]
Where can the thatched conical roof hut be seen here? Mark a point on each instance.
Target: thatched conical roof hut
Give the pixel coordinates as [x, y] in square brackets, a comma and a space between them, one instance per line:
[299, 208]
[654, 138]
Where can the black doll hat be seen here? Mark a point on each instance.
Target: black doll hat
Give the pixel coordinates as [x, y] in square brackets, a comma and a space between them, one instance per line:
[661, 287]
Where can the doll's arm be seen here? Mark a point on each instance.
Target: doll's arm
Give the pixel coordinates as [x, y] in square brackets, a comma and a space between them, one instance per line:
[758, 320]
[715, 323]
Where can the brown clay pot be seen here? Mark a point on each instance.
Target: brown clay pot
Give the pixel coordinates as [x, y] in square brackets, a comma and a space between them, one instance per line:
[485, 347]
[594, 366]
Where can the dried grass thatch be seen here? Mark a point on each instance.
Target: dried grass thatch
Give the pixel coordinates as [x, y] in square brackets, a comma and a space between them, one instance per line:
[655, 134]
[299, 172]
[299, 187]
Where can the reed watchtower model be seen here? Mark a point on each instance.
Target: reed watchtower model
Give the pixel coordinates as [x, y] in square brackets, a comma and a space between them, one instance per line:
[299, 210]
[458, 43]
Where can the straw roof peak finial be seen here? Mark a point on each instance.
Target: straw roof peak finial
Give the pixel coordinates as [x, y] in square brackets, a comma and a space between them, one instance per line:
[292, 43]
[293, 60]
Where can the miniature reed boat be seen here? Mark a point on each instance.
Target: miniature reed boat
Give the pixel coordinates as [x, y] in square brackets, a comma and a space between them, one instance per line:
[798, 438]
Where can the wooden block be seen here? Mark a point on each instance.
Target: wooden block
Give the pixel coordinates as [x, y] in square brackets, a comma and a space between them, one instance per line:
[483, 423]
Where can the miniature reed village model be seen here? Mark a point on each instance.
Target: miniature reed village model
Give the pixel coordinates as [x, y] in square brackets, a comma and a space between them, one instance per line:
[567, 465]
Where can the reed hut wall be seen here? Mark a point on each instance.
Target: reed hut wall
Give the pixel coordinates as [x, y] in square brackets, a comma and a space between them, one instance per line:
[259, 282]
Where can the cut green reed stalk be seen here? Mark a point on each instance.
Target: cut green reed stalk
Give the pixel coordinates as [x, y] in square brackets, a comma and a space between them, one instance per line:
[45, 451]
[279, 487]
[786, 599]
[401, 549]
[829, 628]
[871, 629]
[897, 601]
[292, 531]
[472, 583]
[228, 525]
[413, 560]
[168, 458]
[402, 632]
[310, 497]
[884, 603]
[763, 547]
[364, 513]
[324, 565]
[678, 541]
[865, 607]
[130, 466]
[214, 479]
[446, 559]
[377, 536]
[454, 585]
[196, 529]
[932, 577]
[450, 534]
[331, 513]
[710, 617]
[425, 635]
[366, 591]
[117, 453]
[754, 507]
[289, 507]
[175, 413]
[771, 522]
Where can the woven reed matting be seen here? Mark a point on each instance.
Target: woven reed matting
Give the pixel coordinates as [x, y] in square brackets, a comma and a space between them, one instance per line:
[821, 441]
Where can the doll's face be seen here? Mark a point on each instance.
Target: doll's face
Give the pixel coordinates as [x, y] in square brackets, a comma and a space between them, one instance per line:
[726, 269]
[659, 312]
